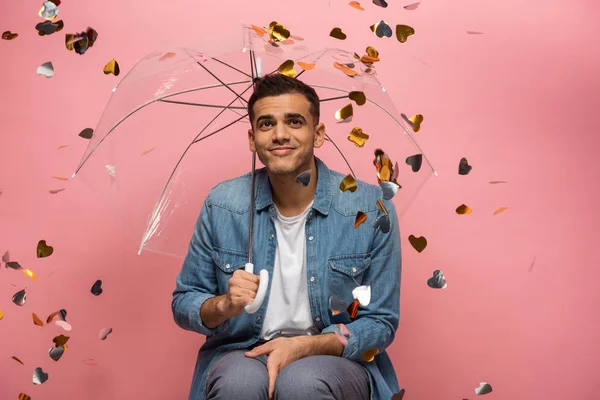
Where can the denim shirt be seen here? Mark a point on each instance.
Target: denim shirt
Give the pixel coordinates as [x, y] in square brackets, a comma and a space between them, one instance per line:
[338, 257]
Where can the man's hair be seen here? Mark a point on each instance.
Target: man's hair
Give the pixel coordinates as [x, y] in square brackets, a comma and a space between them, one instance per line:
[276, 84]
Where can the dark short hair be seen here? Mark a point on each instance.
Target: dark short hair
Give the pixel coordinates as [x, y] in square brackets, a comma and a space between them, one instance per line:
[276, 84]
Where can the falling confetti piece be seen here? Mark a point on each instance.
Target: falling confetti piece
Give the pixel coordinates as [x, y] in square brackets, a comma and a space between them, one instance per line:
[8, 35]
[305, 66]
[55, 191]
[438, 281]
[57, 315]
[348, 183]
[65, 325]
[148, 151]
[415, 162]
[56, 353]
[399, 395]
[345, 69]
[412, 6]
[362, 294]
[287, 68]
[112, 67]
[353, 309]
[474, 33]
[360, 218]
[49, 27]
[414, 121]
[495, 182]
[403, 32]
[463, 167]
[484, 388]
[1, 315]
[23, 396]
[258, 30]
[380, 3]
[17, 360]
[14, 265]
[337, 33]
[358, 137]
[419, 243]
[49, 10]
[381, 29]
[81, 42]
[97, 288]
[356, 4]
[383, 223]
[87, 133]
[60, 178]
[20, 298]
[166, 55]
[358, 97]
[39, 376]
[463, 210]
[345, 113]
[389, 189]
[104, 333]
[60, 340]
[6, 257]
[278, 32]
[46, 69]
[383, 165]
[64, 146]
[369, 355]
[43, 250]
[30, 274]
[37, 321]
[304, 178]
[336, 305]
[499, 210]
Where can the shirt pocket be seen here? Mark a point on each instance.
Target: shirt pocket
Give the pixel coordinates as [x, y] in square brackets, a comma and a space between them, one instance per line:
[345, 273]
[227, 262]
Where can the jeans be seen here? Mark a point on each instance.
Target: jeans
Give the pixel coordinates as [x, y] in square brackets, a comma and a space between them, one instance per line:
[321, 377]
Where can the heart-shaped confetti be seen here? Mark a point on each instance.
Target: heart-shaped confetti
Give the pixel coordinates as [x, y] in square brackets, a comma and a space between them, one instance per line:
[437, 281]
[415, 162]
[49, 10]
[46, 69]
[49, 27]
[360, 218]
[60, 340]
[383, 165]
[278, 32]
[358, 97]
[403, 32]
[412, 6]
[381, 29]
[362, 294]
[44, 250]
[97, 288]
[14, 265]
[336, 305]
[389, 189]
[348, 183]
[337, 33]
[358, 137]
[463, 209]
[8, 35]
[29, 273]
[87, 133]
[112, 67]
[383, 223]
[356, 4]
[104, 332]
[81, 42]
[37, 321]
[353, 309]
[419, 243]
[484, 388]
[65, 325]
[369, 355]
[380, 3]
[463, 167]
[39, 376]
[304, 178]
[20, 298]
[499, 210]
[287, 68]
[399, 395]
[345, 113]
[23, 396]
[56, 352]
[414, 121]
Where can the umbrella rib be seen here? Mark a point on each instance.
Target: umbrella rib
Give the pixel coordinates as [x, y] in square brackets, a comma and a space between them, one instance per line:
[342, 154]
[238, 96]
[187, 103]
[232, 67]
[220, 129]
[333, 98]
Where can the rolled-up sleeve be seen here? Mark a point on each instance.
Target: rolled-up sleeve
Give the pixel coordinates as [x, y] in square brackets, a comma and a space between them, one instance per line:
[196, 282]
[376, 324]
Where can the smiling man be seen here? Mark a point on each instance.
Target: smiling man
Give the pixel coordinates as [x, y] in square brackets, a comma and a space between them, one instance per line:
[294, 346]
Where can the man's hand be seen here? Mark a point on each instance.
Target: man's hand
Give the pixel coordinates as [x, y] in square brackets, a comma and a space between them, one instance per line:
[241, 292]
[280, 352]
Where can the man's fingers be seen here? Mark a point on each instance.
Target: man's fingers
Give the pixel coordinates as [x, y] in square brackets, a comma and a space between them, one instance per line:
[273, 370]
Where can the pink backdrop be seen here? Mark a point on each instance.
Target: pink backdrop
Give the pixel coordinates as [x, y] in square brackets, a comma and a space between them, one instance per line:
[520, 101]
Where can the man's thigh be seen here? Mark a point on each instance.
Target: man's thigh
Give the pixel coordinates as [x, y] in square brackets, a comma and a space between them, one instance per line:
[235, 376]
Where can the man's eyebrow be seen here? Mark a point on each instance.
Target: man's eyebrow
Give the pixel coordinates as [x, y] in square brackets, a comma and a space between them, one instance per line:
[263, 117]
[295, 115]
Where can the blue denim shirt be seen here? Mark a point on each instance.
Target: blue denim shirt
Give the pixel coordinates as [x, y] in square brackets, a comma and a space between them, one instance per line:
[338, 256]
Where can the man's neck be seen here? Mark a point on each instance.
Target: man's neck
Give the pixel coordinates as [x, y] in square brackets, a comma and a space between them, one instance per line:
[291, 197]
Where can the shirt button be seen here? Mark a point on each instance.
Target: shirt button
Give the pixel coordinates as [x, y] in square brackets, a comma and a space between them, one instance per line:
[272, 236]
[312, 278]
[258, 318]
[353, 269]
[310, 238]
[228, 266]
[318, 319]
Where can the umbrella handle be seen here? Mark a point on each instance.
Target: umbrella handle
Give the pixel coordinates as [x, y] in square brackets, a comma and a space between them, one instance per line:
[262, 289]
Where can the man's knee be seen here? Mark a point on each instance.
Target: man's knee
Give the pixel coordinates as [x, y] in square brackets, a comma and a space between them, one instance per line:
[297, 381]
[238, 377]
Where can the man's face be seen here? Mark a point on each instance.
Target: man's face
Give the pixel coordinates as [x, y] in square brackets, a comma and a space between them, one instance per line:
[284, 133]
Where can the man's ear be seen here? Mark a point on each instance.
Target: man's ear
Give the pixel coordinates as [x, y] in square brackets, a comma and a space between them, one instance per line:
[251, 140]
[319, 135]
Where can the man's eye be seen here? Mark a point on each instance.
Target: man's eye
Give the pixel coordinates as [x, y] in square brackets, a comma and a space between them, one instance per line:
[262, 124]
[295, 121]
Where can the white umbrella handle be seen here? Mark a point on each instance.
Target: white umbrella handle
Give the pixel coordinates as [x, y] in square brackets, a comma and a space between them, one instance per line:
[262, 289]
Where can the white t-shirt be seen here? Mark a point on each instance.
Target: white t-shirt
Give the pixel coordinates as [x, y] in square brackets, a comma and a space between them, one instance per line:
[288, 311]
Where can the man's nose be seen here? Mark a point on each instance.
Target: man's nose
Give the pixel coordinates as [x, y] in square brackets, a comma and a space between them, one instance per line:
[280, 133]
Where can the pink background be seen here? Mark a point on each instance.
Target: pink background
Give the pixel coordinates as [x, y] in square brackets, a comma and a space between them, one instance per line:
[520, 101]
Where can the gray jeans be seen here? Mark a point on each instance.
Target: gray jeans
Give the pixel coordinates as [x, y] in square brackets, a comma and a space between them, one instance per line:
[235, 376]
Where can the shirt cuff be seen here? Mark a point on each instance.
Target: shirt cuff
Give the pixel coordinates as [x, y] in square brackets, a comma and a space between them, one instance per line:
[350, 349]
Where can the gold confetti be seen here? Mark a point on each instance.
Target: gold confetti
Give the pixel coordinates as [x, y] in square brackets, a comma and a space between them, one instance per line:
[60, 340]
[258, 30]
[278, 32]
[384, 167]
[8, 35]
[37, 320]
[81, 42]
[30, 274]
[60, 178]
[348, 71]
[356, 4]
[369, 355]
[403, 32]
[1, 314]
[463, 209]
[381, 206]
[499, 210]
[112, 67]
[358, 137]
[345, 113]
[63, 146]
[353, 309]
[360, 218]
[368, 59]
[55, 191]
[148, 151]
[17, 360]
[348, 183]
[414, 121]
[43, 250]
[358, 97]
[305, 66]
[337, 33]
[419, 243]
[287, 68]
[463, 167]
[166, 55]
[23, 396]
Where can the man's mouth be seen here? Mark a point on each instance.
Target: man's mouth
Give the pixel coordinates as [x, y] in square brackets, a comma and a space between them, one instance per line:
[281, 150]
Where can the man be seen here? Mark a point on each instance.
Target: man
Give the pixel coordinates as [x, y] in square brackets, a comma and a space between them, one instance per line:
[294, 346]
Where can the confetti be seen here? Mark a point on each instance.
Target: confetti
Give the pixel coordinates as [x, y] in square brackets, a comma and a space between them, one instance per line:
[81, 42]
[437, 281]
[463, 210]
[167, 55]
[362, 294]
[23, 396]
[358, 97]
[348, 183]
[14, 265]
[104, 332]
[419, 243]
[415, 162]
[360, 218]
[36, 320]
[20, 298]
[336, 305]
[57, 315]
[8, 35]
[495, 182]
[65, 325]
[87, 133]
[358, 137]
[380, 3]
[382, 222]
[389, 189]
[383, 165]
[49, 10]
[412, 6]
[49, 27]
[474, 33]
[337, 33]
[414, 121]
[46, 69]
[369, 355]
[399, 395]
[30, 274]
[345, 69]
[60, 178]
[1, 315]
[55, 191]
[403, 32]
[6, 257]
[112, 67]
[148, 151]
[39, 376]
[17, 360]
[287, 68]
[381, 29]
[353, 309]
[345, 113]
[484, 388]
[305, 66]
[60, 340]
[356, 4]
[278, 32]
[304, 178]
[97, 288]
[56, 353]
[463, 167]
[43, 250]
[499, 210]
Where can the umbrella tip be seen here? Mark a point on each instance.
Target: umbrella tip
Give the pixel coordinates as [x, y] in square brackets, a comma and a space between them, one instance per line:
[73, 176]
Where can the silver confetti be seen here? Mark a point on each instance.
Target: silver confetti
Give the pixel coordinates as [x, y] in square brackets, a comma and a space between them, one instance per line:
[39, 376]
[304, 178]
[20, 297]
[382, 222]
[389, 189]
[437, 281]
[484, 388]
[56, 352]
